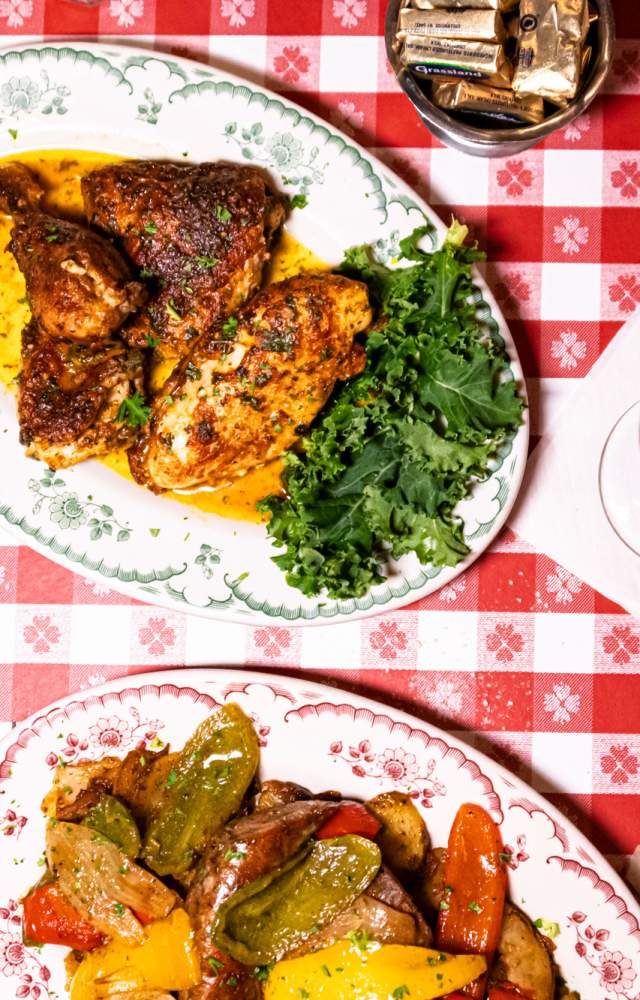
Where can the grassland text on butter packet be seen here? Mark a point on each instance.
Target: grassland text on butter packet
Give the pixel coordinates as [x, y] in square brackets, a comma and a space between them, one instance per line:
[434, 57]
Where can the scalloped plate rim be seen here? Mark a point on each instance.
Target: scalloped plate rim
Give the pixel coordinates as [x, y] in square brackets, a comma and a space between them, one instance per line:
[244, 613]
[194, 685]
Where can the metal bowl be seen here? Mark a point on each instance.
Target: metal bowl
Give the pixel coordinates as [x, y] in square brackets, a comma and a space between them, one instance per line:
[504, 141]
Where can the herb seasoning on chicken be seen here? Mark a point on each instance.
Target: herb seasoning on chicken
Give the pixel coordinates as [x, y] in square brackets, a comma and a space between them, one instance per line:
[201, 234]
[247, 390]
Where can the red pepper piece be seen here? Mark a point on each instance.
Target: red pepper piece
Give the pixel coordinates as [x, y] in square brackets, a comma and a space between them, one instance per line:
[352, 817]
[48, 918]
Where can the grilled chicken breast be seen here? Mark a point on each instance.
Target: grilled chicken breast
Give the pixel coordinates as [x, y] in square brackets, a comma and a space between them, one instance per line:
[232, 404]
[69, 395]
[201, 234]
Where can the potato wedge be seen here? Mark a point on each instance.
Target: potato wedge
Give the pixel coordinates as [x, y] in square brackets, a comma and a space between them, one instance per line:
[429, 887]
[141, 779]
[403, 839]
[523, 958]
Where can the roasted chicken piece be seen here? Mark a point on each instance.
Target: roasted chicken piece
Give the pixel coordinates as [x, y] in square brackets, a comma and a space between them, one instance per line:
[200, 233]
[70, 395]
[75, 376]
[78, 285]
[19, 190]
[251, 385]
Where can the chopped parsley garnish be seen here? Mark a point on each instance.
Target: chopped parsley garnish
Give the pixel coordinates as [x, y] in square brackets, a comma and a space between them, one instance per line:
[192, 373]
[401, 991]
[444, 905]
[118, 909]
[360, 939]
[474, 907]
[234, 856]
[172, 311]
[550, 928]
[326, 971]
[13, 132]
[261, 972]
[229, 327]
[145, 272]
[154, 532]
[206, 262]
[142, 761]
[504, 857]
[53, 234]
[151, 228]
[215, 964]
[151, 341]
[386, 463]
[232, 981]
[303, 993]
[133, 411]
[172, 777]
[222, 214]
[299, 201]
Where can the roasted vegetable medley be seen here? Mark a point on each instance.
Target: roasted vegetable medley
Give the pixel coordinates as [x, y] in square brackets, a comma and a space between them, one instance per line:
[179, 873]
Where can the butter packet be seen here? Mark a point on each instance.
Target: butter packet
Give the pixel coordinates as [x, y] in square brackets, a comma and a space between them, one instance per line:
[492, 102]
[550, 37]
[434, 57]
[480, 25]
[501, 5]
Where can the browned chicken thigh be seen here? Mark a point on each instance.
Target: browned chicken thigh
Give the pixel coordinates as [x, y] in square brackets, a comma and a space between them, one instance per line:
[78, 285]
[200, 233]
[253, 383]
[70, 396]
[76, 375]
[19, 190]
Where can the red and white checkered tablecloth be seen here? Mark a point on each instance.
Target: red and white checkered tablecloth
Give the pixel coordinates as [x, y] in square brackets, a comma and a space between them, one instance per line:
[517, 656]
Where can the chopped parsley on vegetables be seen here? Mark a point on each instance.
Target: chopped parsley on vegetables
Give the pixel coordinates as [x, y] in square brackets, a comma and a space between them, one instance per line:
[383, 468]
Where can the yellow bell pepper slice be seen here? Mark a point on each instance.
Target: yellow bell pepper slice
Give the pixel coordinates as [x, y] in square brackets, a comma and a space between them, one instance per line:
[167, 960]
[372, 972]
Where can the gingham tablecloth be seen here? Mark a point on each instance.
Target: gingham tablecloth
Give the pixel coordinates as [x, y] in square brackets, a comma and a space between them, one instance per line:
[517, 656]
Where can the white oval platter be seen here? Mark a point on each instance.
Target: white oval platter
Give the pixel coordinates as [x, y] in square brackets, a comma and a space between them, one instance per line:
[323, 738]
[133, 102]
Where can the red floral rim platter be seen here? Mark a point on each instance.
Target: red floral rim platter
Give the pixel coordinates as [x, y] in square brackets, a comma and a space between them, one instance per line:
[350, 743]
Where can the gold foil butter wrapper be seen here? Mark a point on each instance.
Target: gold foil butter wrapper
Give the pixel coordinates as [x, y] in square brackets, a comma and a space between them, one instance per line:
[501, 5]
[451, 57]
[550, 37]
[480, 25]
[476, 98]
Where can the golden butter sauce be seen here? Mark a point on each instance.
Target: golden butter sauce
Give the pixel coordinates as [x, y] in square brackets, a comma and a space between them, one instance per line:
[60, 173]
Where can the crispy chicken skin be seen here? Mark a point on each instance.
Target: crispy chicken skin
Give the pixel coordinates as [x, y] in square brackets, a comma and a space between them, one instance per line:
[19, 190]
[233, 404]
[75, 373]
[69, 395]
[78, 285]
[201, 233]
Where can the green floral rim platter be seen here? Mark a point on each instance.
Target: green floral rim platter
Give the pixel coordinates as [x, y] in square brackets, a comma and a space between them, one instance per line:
[133, 102]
